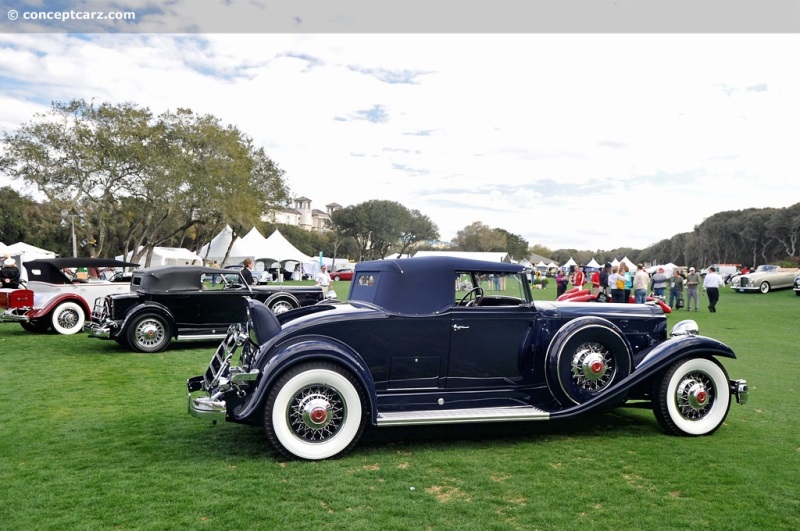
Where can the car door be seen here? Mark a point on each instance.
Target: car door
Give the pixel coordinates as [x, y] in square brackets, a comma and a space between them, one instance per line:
[489, 345]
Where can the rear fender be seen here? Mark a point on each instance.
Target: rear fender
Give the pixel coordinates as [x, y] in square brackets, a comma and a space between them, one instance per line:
[303, 349]
[50, 305]
[148, 307]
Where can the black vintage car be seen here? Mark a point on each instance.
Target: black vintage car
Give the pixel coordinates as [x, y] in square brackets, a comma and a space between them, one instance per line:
[186, 303]
[441, 340]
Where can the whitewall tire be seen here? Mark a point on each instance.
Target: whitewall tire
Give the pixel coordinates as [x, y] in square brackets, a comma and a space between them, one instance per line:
[68, 318]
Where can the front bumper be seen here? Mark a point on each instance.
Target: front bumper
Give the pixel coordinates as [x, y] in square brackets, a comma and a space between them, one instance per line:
[740, 390]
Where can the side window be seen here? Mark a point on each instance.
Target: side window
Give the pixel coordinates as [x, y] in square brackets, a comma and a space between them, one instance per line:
[463, 285]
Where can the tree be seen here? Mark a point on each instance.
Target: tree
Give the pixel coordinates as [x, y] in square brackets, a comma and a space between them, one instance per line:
[479, 237]
[379, 226]
[516, 245]
[176, 175]
[418, 228]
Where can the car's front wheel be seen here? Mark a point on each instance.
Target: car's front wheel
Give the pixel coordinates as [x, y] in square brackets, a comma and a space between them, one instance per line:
[68, 318]
[315, 411]
[149, 332]
[692, 398]
[764, 287]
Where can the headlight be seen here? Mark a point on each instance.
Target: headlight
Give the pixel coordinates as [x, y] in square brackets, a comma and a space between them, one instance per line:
[687, 327]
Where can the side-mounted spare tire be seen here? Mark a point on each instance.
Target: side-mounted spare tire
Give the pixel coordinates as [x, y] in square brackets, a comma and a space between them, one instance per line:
[586, 357]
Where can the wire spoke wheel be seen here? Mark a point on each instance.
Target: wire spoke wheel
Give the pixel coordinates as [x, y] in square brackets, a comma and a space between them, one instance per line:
[315, 411]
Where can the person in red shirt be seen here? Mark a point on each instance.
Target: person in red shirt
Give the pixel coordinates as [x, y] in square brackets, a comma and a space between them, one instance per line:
[578, 278]
[596, 282]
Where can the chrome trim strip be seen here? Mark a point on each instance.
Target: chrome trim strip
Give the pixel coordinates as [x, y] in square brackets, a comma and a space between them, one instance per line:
[451, 416]
[201, 337]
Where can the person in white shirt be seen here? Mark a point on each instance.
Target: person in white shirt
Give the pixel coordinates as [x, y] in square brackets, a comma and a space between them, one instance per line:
[711, 285]
[324, 280]
[640, 282]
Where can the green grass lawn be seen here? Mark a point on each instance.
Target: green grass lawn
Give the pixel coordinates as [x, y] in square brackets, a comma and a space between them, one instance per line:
[94, 437]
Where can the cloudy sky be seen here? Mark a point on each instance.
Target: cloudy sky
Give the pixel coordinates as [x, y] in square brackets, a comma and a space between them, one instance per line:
[587, 141]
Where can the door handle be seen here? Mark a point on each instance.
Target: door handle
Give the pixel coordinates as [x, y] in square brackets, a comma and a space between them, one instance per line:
[456, 327]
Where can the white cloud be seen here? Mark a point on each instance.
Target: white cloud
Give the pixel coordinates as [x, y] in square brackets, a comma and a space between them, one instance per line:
[585, 141]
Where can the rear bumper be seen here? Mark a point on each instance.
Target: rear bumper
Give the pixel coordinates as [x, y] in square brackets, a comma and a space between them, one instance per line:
[100, 331]
[14, 316]
[201, 405]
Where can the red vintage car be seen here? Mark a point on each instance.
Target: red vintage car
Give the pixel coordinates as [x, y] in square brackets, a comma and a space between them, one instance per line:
[584, 295]
[342, 274]
[54, 298]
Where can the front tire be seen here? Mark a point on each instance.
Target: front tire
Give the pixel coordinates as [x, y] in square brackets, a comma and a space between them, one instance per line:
[68, 318]
[149, 332]
[315, 411]
[764, 287]
[692, 398]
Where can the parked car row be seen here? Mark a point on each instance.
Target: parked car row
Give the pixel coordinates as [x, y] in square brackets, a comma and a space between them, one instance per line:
[144, 310]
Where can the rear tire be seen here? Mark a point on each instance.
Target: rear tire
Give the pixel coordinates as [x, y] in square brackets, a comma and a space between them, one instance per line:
[68, 318]
[40, 326]
[315, 411]
[149, 332]
[692, 398]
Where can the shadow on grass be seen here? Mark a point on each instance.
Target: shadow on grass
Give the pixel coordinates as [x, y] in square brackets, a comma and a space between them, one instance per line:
[225, 440]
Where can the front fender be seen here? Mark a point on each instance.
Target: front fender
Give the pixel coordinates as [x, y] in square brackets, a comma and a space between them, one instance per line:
[303, 349]
[657, 360]
[679, 347]
[50, 305]
[282, 295]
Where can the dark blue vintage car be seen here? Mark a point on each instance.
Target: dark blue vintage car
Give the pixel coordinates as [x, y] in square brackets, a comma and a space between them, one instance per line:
[440, 340]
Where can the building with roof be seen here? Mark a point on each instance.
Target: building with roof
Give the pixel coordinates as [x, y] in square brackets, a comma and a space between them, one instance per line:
[303, 216]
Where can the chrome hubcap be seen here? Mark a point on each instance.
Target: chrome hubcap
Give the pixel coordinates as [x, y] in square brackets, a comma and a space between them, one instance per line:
[316, 414]
[149, 333]
[694, 396]
[68, 318]
[592, 367]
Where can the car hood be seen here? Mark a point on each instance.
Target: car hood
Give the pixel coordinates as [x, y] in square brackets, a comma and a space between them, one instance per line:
[570, 310]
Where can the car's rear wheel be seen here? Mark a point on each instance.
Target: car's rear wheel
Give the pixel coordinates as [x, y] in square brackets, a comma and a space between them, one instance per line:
[281, 306]
[337, 278]
[149, 332]
[68, 318]
[315, 411]
[39, 326]
[692, 398]
[588, 361]
[764, 287]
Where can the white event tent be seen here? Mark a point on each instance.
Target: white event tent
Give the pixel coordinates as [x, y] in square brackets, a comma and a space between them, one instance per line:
[167, 256]
[27, 252]
[216, 249]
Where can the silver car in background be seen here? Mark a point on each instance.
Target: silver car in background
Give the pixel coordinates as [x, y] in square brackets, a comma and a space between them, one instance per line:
[764, 279]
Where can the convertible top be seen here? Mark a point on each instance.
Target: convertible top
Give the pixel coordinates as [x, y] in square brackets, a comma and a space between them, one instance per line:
[163, 279]
[417, 286]
[49, 269]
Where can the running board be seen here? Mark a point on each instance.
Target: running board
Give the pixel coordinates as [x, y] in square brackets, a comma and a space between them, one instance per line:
[457, 416]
